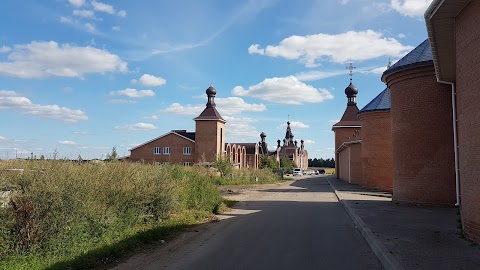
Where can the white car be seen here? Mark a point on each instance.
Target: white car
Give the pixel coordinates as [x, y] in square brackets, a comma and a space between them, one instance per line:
[297, 172]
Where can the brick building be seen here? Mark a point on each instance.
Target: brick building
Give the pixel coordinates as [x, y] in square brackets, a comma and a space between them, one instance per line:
[208, 142]
[454, 34]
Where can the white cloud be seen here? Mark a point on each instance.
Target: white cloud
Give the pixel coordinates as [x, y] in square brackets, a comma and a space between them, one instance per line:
[401, 35]
[378, 70]
[41, 59]
[3, 138]
[318, 75]
[240, 129]
[137, 127]
[133, 93]
[116, 28]
[334, 121]
[122, 13]
[344, 2]
[10, 100]
[225, 106]
[341, 48]
[294, 124]
[153, 117]
[122, 101]
[286, 90]
[411, 8]
[102, 7]
[84, 13]
[77, 3]
[234, 105]
[90, 27]
[5, 49]
[67, 143]
[309, 142]
[177, 108]
[150, 80]
[254, 48]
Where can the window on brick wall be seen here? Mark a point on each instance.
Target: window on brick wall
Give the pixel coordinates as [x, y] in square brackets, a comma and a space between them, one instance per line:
[157, 150]
[166, 150]
[187, 150]
[187, 164]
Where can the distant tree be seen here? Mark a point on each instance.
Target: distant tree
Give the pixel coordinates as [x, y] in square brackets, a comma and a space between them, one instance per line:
[79, 158]
[223, 165]
[269, 162]
[42, 157]
[112, 156]
[287, 165]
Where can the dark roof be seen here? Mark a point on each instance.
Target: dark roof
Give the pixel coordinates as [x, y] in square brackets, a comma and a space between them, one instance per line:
[349, 117]
[379, 103]
[418, 57]
[351, 90]
[184, 133]
[210, 113]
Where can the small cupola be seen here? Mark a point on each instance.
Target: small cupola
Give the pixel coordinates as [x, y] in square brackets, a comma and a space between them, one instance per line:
[351, 91]
[211, 92]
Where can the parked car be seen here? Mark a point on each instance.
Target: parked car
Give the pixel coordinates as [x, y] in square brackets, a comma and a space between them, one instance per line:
[297, 172]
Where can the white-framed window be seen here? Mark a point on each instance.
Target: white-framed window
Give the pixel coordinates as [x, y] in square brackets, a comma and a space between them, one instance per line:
[187, 150]
[157, 150]
[166, 150]
[187, 164]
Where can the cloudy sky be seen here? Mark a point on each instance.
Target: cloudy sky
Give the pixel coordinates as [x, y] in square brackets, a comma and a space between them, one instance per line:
[83, 76]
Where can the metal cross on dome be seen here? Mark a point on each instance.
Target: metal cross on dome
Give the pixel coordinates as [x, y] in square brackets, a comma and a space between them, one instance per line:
[350, 70]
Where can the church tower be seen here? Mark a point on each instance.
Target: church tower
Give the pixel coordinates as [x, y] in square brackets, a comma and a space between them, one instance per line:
[209, 131]
[349, 123]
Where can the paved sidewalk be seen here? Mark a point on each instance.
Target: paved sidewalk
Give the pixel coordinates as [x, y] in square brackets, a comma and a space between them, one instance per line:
[407, 236]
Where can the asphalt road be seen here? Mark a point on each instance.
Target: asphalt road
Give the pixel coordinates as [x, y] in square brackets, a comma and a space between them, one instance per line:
[296, 225]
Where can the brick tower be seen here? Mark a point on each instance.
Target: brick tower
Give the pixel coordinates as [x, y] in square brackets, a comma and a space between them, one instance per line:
[377, 158]
[209, 131]
[422, 140]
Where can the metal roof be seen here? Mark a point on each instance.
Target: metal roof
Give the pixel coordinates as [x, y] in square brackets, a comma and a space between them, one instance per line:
[379, 103]
[418, 57]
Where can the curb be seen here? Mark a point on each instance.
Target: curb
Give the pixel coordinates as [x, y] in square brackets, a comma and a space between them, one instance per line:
[387, 260]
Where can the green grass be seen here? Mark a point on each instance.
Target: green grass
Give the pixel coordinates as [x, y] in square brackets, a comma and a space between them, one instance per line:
[63, 212]
[247, 177]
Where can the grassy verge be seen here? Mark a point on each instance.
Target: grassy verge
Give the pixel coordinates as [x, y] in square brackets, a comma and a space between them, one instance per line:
[65, 215]
[246, 177]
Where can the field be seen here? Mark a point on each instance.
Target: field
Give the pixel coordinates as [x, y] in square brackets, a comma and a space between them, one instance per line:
[62, 214]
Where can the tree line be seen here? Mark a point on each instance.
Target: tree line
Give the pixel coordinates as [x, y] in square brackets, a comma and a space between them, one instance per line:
[328, 163]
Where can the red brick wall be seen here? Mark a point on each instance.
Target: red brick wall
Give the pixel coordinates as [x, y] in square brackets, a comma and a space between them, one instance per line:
[176, 144]
[422, 138]
[343, 165]
[209, 140]
[342, 134]
[377, 160]
[349, 163]
[468, 115]
[356, 164]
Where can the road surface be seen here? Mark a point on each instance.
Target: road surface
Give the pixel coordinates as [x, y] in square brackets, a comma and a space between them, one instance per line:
[294, 225]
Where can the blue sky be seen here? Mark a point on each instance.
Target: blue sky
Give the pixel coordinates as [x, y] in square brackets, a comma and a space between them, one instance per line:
[82, 76]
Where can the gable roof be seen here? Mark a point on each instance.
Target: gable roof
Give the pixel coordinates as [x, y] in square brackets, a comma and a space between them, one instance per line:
[175, 132]
[418, 57]
[210, 113]
[349, 118]
[379, 103]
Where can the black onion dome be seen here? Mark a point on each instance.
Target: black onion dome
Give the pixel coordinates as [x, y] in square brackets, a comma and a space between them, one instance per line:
[351, 90]
[211, 91]
[263, 135]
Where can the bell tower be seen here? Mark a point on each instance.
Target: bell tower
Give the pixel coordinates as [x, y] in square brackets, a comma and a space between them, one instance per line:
[209, 131]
